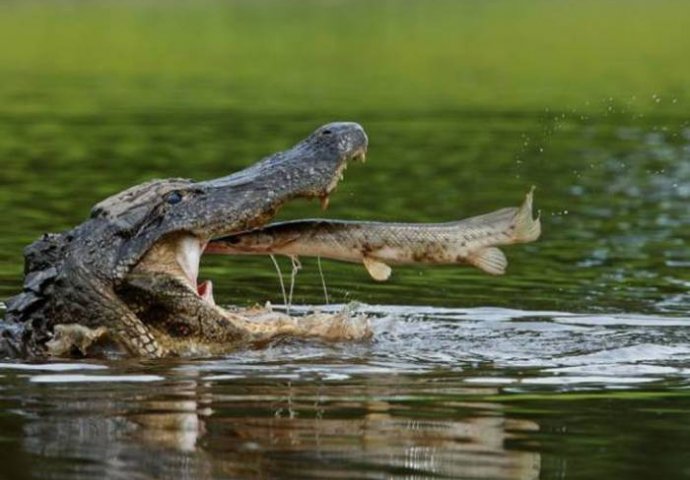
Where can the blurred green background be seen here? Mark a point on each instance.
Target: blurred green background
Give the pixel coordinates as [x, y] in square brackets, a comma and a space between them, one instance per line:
[341, 57]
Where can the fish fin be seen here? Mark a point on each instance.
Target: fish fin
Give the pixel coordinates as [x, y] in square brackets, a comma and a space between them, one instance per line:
[491, 260]
[527, 228]
[378, 270]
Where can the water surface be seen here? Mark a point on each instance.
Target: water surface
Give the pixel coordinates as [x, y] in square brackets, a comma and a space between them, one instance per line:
[438, 393]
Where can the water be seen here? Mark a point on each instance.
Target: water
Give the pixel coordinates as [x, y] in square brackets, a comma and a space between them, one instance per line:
[576, 364]
[438, 393]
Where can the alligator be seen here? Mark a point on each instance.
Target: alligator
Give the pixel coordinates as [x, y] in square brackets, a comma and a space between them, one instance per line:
[126, 279]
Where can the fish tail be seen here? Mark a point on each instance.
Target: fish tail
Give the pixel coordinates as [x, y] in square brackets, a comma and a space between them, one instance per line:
[505, 226]
[527, 228]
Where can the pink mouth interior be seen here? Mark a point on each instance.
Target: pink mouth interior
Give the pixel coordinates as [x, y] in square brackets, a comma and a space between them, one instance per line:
[205, 291]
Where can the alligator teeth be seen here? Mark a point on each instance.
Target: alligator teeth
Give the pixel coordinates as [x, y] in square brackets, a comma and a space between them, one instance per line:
[324, 202]
[359, 156]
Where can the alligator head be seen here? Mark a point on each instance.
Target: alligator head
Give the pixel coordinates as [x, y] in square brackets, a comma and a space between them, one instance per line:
[130, 270]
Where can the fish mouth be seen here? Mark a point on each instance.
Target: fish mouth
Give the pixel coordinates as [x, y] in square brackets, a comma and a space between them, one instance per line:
[180, 254]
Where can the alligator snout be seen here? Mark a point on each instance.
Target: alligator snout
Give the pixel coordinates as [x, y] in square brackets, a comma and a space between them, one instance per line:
[349, 138]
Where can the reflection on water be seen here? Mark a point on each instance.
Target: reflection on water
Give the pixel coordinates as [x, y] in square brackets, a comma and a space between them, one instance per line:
[438, 393]
[288, 429]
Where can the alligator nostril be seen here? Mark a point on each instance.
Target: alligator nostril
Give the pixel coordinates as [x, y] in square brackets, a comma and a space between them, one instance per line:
[326, 132]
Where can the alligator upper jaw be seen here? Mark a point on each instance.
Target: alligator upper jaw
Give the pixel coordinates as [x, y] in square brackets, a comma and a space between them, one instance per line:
[299, 172]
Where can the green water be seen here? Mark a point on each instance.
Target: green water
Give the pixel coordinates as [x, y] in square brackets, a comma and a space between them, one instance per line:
[576, 364]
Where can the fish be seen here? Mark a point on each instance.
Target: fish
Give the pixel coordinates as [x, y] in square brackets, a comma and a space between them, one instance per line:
[378, 245]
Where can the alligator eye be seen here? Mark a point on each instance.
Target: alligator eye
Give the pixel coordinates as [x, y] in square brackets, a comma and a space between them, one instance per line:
[174, 197]
[326, 132]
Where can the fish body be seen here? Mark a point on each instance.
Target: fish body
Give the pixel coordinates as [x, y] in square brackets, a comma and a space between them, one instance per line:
[377, 245]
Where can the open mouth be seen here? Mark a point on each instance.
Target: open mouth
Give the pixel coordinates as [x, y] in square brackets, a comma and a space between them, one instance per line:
[187, 249]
